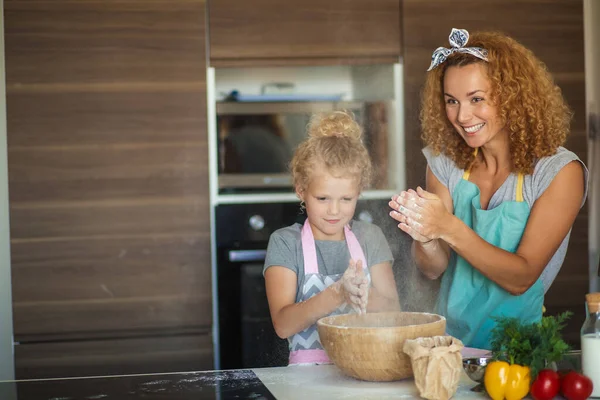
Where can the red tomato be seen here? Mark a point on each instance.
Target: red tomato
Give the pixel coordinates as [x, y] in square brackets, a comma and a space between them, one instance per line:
[546, 385]
[575, 386]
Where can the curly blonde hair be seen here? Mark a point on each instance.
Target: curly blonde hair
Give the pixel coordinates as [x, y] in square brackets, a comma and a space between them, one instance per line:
[334, 142]
[528, 101]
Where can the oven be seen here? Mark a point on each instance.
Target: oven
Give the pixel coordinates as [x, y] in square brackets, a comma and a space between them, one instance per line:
[246, 335]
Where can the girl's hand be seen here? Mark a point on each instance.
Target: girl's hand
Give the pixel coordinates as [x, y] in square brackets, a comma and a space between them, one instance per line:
[363, 289]
[421, 214]
[355, 286]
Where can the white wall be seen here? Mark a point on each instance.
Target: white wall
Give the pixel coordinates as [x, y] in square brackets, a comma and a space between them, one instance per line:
[6, 326]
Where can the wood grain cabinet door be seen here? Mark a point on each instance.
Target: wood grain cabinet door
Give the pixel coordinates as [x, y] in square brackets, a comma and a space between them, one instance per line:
[140, 355]
[300, 31]
[108, 168]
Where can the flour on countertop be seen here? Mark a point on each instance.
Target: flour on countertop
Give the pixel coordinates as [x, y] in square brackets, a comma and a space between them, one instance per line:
[234, 379]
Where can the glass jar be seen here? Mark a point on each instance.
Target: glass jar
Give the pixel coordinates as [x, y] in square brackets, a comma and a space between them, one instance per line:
[590, 342]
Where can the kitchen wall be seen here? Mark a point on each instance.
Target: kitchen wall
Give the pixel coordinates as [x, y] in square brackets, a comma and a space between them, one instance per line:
[592, 94]
[6, 326]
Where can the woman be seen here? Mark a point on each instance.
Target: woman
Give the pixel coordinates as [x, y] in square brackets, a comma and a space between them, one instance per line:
[502, 193]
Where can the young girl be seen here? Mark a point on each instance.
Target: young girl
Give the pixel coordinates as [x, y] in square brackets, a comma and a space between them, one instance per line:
[331, 264]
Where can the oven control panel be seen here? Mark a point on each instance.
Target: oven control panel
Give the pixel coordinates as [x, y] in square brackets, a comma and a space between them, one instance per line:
[238, 223]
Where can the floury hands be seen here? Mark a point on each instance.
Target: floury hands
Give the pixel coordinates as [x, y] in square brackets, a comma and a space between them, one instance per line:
[421, 214]
[355, 286]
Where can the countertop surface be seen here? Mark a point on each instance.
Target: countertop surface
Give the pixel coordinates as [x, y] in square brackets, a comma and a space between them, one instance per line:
[282, 383]
[328, 382]
[206, 385]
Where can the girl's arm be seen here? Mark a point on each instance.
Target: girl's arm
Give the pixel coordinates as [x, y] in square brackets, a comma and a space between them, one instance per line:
[290, 317]
[383, 295]
[550, 220]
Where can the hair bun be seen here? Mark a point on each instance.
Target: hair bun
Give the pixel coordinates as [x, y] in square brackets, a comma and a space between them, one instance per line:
[336, 123]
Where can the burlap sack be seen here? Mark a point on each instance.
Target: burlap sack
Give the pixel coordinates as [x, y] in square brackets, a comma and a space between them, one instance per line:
[437, 365]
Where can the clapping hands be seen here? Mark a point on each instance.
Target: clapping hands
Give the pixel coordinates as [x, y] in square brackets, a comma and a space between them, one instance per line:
[355, 286]
[421, 214]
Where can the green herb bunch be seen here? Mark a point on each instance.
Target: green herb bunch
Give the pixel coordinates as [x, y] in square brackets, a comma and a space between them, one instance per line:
[534, 345]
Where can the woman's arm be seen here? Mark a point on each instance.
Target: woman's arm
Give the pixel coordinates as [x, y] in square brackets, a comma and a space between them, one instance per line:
[383, 294]
[550, 220]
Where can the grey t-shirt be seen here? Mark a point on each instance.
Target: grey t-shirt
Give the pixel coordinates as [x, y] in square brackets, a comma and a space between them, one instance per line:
[534, 186]
[333, 257]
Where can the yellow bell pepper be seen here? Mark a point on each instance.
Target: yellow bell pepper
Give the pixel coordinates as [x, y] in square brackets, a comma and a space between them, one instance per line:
[505, 381]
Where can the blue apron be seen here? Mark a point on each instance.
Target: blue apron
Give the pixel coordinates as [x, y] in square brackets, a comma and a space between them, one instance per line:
[467, 298]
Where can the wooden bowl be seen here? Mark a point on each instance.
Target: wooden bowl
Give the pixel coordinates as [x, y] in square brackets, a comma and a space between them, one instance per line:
[369, 346]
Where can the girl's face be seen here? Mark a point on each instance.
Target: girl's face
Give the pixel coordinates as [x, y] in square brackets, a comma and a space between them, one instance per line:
[467, 95]
[330, 203]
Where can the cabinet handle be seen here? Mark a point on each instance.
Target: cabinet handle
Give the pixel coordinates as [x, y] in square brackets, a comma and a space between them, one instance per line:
[247, 255]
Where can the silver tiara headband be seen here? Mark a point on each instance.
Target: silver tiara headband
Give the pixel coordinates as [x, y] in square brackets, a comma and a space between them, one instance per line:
[458, 40]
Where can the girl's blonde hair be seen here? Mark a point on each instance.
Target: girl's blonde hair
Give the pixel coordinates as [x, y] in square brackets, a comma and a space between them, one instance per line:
[529, 103]
[334, 142]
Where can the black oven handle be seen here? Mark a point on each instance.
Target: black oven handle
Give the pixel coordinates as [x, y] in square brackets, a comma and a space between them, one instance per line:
[247, 255]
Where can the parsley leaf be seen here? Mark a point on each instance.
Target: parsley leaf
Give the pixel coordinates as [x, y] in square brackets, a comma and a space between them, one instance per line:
[534, 345]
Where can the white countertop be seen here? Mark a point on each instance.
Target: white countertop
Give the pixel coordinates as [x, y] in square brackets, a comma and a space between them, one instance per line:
[326, 382]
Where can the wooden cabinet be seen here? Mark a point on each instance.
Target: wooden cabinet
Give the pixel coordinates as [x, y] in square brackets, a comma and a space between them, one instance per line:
[553, 30]
[108, 173]
[115, 356]
[271, 32]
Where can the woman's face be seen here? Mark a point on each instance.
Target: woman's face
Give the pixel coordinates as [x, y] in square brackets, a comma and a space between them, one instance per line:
[467, 94]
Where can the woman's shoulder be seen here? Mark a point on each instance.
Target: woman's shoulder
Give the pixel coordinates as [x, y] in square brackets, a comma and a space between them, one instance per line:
[437, 158]
[547, 168]
[562, 156]
[443, 168]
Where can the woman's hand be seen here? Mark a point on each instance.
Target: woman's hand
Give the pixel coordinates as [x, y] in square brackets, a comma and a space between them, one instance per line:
[355, 286]
[421, 214]
[406, 211]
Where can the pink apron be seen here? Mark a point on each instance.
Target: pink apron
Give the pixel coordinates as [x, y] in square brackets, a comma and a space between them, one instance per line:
[305, 346]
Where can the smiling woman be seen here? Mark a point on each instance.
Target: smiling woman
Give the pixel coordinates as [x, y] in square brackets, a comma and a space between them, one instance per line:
[467, 93]
[494, 123]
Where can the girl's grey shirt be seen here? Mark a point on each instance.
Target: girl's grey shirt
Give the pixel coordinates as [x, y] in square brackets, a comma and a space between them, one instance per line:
[333, 256]
[534, 186]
